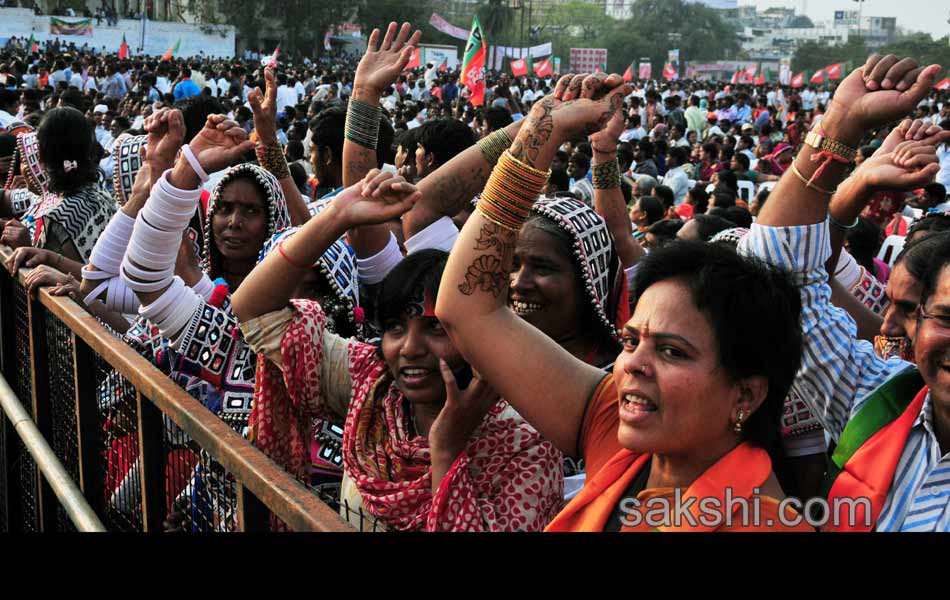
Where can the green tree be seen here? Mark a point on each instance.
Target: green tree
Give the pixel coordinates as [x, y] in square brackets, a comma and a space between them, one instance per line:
[303, 23]
[811, 56]
[372, 14]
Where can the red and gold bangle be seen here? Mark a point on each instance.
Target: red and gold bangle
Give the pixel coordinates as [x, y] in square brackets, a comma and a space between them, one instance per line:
[511, 192]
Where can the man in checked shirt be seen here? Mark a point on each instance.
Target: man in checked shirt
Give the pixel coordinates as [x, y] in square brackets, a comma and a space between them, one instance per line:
[889, 421]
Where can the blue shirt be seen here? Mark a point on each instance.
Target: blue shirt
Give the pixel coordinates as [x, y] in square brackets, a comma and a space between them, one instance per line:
[186, 89]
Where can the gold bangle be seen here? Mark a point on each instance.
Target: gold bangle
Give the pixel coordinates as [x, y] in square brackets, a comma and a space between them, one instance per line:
[808, 185]
[271, 158]
[494, 145]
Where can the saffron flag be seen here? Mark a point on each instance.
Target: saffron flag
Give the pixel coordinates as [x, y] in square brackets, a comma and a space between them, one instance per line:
[762, 78]
[519, 67]
[834, 71]
[944, 85]
[798, 80]
[172, 51]
[735, 77]
[628, 74]
[444, 67]
[124, 48]
[818, 77]
[33, 45]
[751, 71]
[415, 61]
[669, 73]
[473, 64]
[543, 68]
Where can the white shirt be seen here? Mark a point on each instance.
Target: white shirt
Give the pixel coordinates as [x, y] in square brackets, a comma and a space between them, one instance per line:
[943, 176]
[211, 85]
[633, 135]
[6, 118]
[223, 86]
[162, 84]
[677, 181]
[76, 81]
[301, 91]
[286, 96]
[808, 100]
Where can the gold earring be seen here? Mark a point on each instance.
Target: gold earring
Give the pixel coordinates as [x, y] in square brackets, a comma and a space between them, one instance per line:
[740, 417]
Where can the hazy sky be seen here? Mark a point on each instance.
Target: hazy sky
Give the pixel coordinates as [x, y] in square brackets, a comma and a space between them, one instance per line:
[916, 15]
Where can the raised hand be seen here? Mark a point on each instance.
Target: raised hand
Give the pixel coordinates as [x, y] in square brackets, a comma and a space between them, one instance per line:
[606, 140]
[912, 164]
[883, 90]
[264, 106]
[166, 134]
[220, 144]
[917, 130]
[382, 64]
[379, 198]
[580, 105]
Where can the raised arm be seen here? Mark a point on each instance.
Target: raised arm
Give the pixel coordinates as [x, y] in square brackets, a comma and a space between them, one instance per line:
[270, 153]
[270, 286]
[379, 68]
[838, 371]
[608, 197]
[542, 381]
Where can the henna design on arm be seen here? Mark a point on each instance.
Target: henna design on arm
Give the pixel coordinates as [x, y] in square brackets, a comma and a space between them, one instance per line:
[489, 271]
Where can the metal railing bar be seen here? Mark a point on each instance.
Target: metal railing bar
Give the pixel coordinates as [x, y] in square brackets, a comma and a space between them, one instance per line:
[66, 490]
[283, 494]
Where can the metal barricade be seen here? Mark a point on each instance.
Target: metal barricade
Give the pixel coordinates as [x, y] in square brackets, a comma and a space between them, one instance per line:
[138, 446]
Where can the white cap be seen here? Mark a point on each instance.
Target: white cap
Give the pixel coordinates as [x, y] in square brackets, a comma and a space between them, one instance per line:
[100, 108]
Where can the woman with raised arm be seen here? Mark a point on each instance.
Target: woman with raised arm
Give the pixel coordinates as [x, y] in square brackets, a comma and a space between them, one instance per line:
[691, 409]
[418, 454]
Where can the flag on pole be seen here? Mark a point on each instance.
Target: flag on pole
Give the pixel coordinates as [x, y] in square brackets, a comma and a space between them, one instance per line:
[669, 72]
[628, 74]
[735, 77]
[834, 71]
[519, 67]
[473, 64]
[543, 68]
[124, 48]
[818, 77]
[172, 51]
[751, 71]
[415, 61]
[444, 67]
[798, 80]
[271, 61]
[33, 45]
[763, 77]
[943, 86]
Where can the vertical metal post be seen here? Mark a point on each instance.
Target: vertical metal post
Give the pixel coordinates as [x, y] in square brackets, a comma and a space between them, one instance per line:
[39, 357]
[152, 455]
[91, 474]
[252, 515]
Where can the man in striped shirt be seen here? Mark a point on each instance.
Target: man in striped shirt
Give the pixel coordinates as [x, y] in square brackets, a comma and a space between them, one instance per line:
[841, 378]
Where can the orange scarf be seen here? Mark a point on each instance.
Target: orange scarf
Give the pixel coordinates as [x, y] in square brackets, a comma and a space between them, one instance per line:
[743, 470]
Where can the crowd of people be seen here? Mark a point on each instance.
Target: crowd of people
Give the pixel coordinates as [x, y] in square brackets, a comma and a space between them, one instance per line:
[581, 299]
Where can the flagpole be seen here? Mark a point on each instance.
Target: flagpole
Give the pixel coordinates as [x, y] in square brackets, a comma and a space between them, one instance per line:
[142, 41]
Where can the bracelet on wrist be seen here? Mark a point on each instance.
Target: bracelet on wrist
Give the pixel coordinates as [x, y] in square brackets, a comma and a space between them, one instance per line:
[494, 145]
[607, 175]
[362, 124]
[840, 225]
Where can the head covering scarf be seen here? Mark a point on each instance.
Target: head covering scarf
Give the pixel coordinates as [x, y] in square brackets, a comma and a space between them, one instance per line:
[777, 168]
[605, 282]
[28, 152]
[126, 153]
[278, 216]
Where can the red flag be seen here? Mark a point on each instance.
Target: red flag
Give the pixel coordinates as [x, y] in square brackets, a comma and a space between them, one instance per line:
[519, 67]
[751, 71]
[415, 61]
[271, 61]
[628, 74]
[735, 78]
[818, 77]
[798, 80]
[760, 80]
[473, 64]
[124, 48]
[543, 68]
[34, 46]
[944, 85]
[834, 71]
[444, 67]
[669, 73]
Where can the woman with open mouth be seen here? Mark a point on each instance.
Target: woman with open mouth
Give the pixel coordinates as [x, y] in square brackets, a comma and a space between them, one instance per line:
[691, 408]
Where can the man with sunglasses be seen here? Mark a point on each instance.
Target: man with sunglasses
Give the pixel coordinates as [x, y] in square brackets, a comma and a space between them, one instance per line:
[890, 420]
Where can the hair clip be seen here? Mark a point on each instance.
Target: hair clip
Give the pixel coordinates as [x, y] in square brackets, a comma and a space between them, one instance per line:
[70, 165]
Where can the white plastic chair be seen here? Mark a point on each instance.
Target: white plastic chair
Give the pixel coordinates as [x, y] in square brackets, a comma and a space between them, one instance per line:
[746, 190]
[891, 249]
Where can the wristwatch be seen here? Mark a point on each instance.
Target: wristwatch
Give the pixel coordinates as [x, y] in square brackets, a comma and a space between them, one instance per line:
[817, 140]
